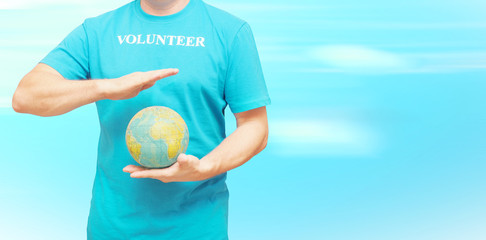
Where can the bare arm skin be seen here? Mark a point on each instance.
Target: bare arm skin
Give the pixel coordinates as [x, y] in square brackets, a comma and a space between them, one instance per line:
[249, 138]
[45, 92]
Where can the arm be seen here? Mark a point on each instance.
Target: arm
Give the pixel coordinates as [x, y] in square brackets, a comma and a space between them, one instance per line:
[45, 92]
[249, 138]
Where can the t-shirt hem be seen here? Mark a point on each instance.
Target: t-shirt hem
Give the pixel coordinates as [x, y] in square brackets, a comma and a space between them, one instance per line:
[56, 65]
[251, 105]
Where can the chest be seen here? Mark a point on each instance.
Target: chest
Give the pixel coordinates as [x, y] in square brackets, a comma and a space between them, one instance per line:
[199, 56]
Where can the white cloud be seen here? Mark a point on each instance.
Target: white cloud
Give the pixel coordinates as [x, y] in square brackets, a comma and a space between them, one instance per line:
[5, 102]
[22, 4]
[29, 4]
[323, 137]
[361, 59]
[355, 58]
[445, 62]
[264, 6]
[377, 25]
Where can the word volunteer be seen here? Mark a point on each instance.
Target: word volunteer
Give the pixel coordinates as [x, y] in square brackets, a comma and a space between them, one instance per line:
[161, 40]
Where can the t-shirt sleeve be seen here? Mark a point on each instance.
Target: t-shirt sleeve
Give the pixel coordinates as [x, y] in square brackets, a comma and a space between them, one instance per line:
[245, 87]
[70, 57]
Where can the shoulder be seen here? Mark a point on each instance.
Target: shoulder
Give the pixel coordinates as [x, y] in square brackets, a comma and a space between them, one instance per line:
[223, 17]
[224, 22]
[107, 17]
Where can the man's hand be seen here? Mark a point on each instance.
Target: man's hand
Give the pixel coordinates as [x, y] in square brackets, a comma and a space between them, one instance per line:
[45, 92]
[132, 84]
[249, 138]
[188, 168]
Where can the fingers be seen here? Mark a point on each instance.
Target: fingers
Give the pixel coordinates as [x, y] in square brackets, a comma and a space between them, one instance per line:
[185, 168]
[155, 75]
[148, 86]
[164, 175]
[145, 174]
[133, 168]
[151, 77]
[141, 172]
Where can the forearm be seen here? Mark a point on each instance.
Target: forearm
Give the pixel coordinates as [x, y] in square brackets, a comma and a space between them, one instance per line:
[54, 95]
[45, 92]
[245, 142]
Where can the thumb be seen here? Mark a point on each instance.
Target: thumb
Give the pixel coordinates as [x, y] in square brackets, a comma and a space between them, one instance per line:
[183, 160]
[148, 85]
[155, 75]
[187, 161]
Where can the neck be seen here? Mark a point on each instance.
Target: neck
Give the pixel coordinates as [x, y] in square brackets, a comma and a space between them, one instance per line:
[163, 7]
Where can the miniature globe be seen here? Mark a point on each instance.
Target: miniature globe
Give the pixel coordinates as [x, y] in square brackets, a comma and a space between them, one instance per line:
[156, 136]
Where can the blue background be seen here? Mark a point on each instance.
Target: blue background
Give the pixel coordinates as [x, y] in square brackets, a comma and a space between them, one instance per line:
[377, 123]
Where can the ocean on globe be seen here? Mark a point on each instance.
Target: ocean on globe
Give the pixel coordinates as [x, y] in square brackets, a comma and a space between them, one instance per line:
[156, 136]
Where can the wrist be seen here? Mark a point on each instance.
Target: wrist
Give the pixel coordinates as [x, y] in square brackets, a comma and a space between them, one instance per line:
[208, 168]
[100, 89]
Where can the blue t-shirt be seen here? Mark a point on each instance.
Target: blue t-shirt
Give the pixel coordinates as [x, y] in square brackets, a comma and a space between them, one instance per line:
[219, 66]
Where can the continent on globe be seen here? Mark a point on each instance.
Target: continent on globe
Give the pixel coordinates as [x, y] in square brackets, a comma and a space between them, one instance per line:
[156, 136]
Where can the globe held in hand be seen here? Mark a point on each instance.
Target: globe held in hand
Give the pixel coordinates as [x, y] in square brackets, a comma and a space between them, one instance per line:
[156, 136]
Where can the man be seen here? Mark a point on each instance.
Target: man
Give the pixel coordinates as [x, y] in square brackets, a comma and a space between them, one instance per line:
[186, 55]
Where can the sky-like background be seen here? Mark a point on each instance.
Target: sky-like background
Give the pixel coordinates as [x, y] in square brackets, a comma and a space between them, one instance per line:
[377, 123]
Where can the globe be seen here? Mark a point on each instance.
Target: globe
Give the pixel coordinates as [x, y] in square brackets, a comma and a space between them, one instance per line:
[156, 136]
